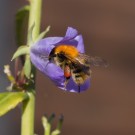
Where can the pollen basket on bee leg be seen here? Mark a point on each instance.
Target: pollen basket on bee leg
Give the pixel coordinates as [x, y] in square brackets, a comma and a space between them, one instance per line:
[67, 71]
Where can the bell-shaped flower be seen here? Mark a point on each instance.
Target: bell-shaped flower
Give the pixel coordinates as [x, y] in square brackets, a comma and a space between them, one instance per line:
[40, 51]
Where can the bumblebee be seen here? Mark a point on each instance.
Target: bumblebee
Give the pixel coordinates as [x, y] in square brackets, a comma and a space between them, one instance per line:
[74, 64]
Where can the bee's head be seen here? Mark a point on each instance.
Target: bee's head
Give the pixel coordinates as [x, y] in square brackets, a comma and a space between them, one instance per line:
[60, 56]
[52, 55]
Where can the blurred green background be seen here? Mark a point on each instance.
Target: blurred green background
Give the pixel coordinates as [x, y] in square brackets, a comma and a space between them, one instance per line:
[108, 28]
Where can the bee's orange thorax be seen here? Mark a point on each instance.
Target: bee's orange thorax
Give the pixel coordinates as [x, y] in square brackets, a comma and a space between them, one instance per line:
[67, 50]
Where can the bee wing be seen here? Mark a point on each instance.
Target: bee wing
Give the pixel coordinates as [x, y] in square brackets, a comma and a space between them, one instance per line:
[97, 61]
[81, 63]
[83, 59]
[92, 61]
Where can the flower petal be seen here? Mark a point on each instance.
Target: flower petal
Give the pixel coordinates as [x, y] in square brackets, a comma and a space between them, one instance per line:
[54, 72]
[80, 45]
[45, 45]
[71, 33]
[69, 42]
[73, 87]
[52, 40]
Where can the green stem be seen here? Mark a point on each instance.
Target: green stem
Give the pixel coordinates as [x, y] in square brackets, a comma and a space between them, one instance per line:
[34, 18]
[28, 115]
[28, 107]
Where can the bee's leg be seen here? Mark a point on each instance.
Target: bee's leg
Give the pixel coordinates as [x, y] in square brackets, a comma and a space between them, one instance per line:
[79, 88]
[66, 82]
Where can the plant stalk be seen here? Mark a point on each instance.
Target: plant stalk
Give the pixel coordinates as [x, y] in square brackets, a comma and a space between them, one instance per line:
[28, 109]
[34, 19]
[28, 106]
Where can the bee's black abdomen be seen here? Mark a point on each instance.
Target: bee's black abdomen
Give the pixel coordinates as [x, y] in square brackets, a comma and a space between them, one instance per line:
[77, 70]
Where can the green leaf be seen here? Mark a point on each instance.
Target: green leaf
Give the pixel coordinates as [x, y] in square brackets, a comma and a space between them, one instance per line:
[21, 24]
[27, 67]
[43, 33]
[22, 50]
[9, 100]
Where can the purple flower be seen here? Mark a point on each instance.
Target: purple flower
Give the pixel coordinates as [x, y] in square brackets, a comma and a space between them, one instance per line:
[40, 51]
